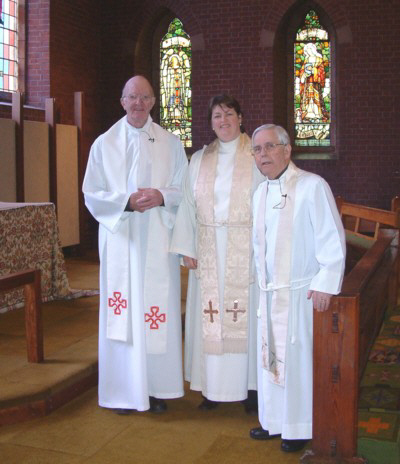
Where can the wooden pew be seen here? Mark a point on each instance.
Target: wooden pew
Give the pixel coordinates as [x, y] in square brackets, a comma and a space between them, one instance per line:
[30, 280]
[343, 335]
[365, 222]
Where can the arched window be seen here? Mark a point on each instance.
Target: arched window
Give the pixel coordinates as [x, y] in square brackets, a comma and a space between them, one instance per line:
[8, 45]
[312, 84]
[175, 82]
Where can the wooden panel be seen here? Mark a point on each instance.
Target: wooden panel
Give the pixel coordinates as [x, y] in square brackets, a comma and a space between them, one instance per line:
[36, 162]
[67, 184]
[17, 115]
[8, 171]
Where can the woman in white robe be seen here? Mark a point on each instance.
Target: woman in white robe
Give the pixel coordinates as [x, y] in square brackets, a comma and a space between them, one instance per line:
[229, 373]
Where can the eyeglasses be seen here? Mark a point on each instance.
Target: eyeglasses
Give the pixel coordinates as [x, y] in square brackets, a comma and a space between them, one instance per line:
[142, 98]
[268, 147]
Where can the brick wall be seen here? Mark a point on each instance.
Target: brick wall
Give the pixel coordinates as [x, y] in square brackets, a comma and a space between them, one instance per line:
[37, 61]
[235, 59]
[95, 46]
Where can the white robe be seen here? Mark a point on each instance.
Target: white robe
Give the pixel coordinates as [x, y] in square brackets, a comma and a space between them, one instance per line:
[226, 377]
[318, 250]
[128, 375]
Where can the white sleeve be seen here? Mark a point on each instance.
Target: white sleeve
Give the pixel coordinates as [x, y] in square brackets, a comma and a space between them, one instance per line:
[173, 193]
[184, 236]
[329, 239]
[106, 206]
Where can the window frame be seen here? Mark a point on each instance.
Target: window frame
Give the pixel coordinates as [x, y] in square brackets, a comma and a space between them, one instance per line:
[296, 21]
[160, 51]
[6, 96]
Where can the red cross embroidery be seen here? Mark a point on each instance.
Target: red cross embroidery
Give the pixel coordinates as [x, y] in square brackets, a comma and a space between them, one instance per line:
[154, 317]
[117, 303]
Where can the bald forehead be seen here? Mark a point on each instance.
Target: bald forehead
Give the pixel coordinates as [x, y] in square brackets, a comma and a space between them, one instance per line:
[138, 85]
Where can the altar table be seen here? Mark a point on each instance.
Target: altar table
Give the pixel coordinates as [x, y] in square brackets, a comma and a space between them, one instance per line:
[29, 240]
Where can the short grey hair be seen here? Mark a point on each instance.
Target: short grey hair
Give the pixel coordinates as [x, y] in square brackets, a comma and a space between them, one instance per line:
[279, 130]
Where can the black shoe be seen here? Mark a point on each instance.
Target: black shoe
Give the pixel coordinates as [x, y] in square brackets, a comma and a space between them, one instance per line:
[123, 412]
[207, 405]
[259, 433]
[157, 405]
[290, 446]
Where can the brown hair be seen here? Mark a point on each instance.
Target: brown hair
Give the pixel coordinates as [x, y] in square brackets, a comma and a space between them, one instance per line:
[226, 100]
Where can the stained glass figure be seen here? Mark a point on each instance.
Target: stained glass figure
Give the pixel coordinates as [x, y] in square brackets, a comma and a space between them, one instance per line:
[175, 82]
[8, 46]
[312, 92]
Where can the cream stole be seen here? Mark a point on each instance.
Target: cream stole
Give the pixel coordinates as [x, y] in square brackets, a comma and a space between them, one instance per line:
[225, 329]
[274, 320]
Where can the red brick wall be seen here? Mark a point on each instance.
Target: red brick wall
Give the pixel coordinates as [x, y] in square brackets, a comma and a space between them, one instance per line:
[75, 53]
[37, 61]
[367, 62]
[95, 46]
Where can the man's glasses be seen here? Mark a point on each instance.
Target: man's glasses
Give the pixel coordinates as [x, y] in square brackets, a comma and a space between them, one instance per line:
[268, 147]
[142, 98]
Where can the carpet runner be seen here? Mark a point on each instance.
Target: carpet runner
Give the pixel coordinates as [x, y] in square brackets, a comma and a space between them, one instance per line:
[379, 402]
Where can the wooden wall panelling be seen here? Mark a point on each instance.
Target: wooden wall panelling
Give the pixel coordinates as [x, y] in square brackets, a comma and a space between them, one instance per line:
[17, 114]
[8, 167]
[67, 184]
[36, 162]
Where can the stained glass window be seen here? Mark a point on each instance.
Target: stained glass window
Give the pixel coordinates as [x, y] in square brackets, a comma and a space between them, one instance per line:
[312, 81]
[8, 46]
[175, 82]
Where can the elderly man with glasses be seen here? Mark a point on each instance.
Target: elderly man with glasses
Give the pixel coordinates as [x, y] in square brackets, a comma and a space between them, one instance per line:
[299, 248]
[132, 187]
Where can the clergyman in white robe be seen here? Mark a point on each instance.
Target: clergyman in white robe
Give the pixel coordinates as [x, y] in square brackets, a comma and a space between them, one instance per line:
[309, 251]
[140, 341]
[225, 376]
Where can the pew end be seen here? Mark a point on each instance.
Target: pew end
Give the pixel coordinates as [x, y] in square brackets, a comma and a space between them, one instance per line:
[344, 335]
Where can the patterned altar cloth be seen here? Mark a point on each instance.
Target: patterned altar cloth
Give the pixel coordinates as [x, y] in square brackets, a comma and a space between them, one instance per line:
[29, 240]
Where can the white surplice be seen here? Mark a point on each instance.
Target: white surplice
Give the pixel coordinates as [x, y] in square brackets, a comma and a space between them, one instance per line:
[229, 376]
[120, 161]
[317, 258]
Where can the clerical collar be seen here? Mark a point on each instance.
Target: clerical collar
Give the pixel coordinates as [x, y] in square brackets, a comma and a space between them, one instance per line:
[280, 174]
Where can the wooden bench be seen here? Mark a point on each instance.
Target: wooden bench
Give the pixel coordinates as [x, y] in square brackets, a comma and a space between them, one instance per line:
[30, 280]
[343, 335]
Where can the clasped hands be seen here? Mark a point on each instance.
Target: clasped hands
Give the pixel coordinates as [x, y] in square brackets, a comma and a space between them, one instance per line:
[144, 199]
